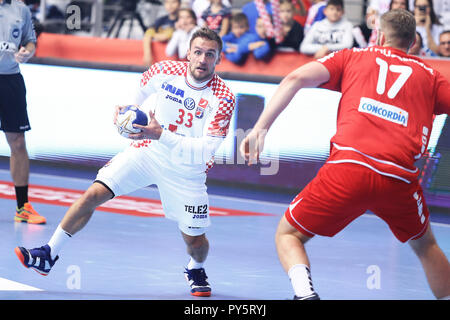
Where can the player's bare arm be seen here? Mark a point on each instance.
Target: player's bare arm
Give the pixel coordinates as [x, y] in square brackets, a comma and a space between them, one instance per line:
[25, 52]
[309, 75]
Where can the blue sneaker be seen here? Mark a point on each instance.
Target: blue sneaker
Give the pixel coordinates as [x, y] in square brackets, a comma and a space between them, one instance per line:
[197, 281]
[38, 259]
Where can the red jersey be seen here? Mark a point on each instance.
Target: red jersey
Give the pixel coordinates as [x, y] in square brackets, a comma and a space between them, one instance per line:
[386, 111]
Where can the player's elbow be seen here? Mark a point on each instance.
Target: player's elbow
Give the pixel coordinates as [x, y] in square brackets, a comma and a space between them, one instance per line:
[310, 75]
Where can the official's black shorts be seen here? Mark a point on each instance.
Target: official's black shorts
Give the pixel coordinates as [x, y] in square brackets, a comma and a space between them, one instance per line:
[13, 104]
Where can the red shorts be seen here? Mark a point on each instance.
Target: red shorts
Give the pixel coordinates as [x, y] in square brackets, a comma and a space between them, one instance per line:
[342, 192]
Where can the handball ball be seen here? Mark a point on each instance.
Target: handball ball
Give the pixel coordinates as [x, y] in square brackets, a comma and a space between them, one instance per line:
[127, 117]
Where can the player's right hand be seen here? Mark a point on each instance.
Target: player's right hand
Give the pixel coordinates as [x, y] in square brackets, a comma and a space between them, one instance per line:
[252, 146]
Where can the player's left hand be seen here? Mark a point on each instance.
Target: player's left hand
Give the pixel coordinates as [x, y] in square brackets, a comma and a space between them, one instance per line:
[252, 146]
[23, 55]
[152, 130]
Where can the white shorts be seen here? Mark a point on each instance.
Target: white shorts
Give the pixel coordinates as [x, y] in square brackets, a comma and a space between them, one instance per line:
[184, 200]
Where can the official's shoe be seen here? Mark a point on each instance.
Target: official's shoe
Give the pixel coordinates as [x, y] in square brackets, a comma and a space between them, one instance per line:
[197, 280]
[38, 259]
[313, 296]
[29, 215]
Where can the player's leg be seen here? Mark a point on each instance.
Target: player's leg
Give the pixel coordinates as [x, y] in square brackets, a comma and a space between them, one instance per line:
[20, 169]
[119, 176]
[43, 258]
[324, 207]
[19, 161]
[14, 122]
[197, 248]
[80, 212]
[434, 262]
[290, 245]
[185, 200]
[403, 207]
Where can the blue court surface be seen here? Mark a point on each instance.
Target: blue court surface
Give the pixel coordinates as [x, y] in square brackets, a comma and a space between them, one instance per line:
[142, 257]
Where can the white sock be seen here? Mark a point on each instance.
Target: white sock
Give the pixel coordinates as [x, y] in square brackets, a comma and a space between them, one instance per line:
[301, 280]
[57, 241]
[194, 264]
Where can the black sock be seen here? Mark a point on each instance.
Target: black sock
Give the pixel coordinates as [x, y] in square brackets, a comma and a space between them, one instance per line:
[21, 195]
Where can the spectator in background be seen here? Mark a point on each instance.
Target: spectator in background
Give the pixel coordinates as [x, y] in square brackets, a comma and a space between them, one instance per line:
[427, 24]
[251, 11]
[199, 6]
[378, 7]
[258, 43]
[365, 35]
[292, 30]
[268, 10]
[315, 13]
[234, 42]
[217, 17]
[161, 30]
[441, 9]
[331, 34]
[444, 44]
[185, 26]
[417, 49]
[301, 8]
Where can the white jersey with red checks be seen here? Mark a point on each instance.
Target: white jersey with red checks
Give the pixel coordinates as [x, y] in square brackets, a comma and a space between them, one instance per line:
[195, 116]
[387, 108]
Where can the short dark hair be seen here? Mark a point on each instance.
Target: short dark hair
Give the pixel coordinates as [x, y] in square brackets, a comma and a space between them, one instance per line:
[399, 26]
[191, 13]
[206, 33]
[336, 3]
[239, 17]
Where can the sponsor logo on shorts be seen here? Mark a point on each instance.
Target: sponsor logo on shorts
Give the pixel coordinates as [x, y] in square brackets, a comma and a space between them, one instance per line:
[383, 111]
[198, 212]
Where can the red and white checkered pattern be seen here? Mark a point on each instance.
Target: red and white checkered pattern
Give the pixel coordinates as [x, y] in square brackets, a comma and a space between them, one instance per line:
[167, 67]
[272, 30]
[219, 126]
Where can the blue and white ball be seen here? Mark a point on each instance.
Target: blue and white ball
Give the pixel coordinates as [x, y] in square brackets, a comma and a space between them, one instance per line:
[127, 117]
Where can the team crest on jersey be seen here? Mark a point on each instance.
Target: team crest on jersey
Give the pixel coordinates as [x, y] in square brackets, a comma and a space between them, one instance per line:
[202, 105]
[15, 32]
[189, 103]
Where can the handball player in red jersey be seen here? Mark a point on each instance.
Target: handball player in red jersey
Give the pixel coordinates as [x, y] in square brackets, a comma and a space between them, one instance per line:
[384, 123]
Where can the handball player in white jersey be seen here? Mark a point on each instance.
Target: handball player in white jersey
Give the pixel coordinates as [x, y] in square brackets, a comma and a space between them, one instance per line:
[189, 117]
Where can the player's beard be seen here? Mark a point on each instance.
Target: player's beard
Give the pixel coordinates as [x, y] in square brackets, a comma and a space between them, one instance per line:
[200, 77]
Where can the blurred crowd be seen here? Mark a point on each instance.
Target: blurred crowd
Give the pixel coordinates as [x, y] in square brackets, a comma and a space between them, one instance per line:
[312, 27]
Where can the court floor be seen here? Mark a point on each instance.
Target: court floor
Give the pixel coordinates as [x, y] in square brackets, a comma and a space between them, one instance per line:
[130, 251]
